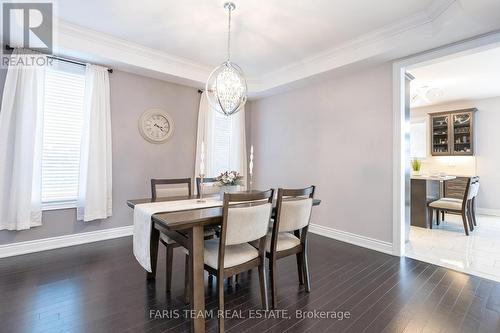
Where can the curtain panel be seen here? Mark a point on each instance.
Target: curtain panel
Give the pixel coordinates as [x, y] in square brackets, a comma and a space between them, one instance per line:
[95, 188]
[21, 120]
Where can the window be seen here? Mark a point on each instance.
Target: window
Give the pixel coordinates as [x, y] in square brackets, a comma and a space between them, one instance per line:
[62, 134]
[222, 143]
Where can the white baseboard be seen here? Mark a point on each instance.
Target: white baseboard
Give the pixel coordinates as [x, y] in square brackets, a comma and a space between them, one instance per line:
[344, 236]
[487, 211]
[15, 249]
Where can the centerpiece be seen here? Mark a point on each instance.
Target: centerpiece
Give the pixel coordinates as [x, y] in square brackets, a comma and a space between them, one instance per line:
[229, 181]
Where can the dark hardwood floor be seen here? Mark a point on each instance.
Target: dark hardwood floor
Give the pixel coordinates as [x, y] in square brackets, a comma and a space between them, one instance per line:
[100, 288]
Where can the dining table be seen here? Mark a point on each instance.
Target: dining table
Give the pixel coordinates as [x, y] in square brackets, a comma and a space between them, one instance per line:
[187, 228]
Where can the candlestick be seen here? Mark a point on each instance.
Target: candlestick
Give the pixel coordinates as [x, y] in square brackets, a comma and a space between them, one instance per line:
[202, 171]
[250, 167]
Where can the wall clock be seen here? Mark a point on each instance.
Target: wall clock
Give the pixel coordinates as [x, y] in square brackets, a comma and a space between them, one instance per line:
[156, 126]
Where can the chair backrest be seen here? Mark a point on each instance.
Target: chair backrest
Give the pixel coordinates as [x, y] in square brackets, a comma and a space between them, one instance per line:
[476, 187]
[164, 188]
[245, 217]
[293, 209]
[473, 188]
[210, 186]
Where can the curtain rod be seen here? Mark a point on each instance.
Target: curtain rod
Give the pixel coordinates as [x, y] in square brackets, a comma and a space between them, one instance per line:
[10, 48]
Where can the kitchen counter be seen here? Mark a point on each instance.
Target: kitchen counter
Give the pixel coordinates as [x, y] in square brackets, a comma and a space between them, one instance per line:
[437, 178]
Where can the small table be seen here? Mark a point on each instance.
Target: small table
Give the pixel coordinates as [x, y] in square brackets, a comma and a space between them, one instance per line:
[425, 189]
[187, 228]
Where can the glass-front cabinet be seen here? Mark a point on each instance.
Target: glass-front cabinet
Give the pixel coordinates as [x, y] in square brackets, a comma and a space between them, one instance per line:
[452, 133]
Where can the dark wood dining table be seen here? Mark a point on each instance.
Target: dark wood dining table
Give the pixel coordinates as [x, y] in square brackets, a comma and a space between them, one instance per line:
[186, 228]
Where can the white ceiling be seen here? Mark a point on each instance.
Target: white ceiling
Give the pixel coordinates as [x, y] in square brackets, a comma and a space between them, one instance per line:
[468, 77]
[278, 43]
[266, 34]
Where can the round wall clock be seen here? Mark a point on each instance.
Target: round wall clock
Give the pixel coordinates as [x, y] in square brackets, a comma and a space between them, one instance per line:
[156, 126]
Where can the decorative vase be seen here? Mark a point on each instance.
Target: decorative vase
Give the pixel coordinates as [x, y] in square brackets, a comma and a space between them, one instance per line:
[228, 189]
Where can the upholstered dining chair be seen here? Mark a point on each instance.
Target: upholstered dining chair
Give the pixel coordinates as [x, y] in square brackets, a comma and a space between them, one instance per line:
[289, 234]
[245, 219]
[472, 202]
[167, 188]
[209, 186]
[456, 206]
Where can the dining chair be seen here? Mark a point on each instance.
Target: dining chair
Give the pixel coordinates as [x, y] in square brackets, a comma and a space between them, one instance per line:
[245, 219]
[472, 203]
[456, 206]
[166, 188]
[212, 188]
[289, 234]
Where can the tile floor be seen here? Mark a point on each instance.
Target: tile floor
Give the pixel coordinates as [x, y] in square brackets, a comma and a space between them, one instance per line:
[446, 245]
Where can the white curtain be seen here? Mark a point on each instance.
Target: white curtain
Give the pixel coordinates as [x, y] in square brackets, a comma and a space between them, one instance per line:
[206, 121]
[206, 133]
[95, 189]
[21, 120]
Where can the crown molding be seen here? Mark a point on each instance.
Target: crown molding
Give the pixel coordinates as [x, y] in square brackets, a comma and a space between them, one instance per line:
[416, 33]
[82, 42]
[361, 48]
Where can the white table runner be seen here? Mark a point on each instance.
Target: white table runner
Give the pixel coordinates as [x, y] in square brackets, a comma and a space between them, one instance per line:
[143, 225]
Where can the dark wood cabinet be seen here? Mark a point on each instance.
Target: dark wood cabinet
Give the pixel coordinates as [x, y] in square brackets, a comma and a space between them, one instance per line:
[452, 132]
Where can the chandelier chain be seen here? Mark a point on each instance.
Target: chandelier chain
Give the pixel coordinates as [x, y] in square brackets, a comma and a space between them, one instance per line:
[229, 35]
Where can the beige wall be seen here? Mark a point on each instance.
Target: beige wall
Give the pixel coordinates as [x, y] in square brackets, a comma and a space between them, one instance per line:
[337, 135]
[135, 161]
[486, 161]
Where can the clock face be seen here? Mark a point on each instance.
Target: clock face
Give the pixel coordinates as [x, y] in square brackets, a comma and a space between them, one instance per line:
[156, 126]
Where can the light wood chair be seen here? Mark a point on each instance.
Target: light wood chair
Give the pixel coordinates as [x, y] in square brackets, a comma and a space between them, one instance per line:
[457, 206]
[167, 188]
[245, 219]
[289, 234]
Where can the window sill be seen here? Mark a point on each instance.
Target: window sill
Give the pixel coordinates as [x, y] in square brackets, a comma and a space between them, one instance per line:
[58, 205]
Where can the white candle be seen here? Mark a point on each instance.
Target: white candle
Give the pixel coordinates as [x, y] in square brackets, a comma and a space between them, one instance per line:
[202, 159]
[250, 165]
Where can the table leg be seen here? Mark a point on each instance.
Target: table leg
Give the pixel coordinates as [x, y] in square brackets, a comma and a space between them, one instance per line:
[197, 279]
[153, 252]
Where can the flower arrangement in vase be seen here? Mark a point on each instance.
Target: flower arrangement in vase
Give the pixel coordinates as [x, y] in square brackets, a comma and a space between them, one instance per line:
[229, 181]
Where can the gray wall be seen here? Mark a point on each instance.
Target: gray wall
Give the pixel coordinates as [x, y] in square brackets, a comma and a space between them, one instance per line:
[337, 135]
[135, 161]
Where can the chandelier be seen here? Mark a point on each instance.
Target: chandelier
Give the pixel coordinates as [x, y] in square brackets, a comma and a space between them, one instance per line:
[226, 87]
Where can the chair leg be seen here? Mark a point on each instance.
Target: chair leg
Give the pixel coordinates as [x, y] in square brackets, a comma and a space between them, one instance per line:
[473, 209]
[469, 217]
[210, 279]
[170, 256]
[263, 285]
[442, 215]
[431, 216]
[186, 280]
[305, 264]
[437, 216]
[464, 220]
[220, 295]
[236, 279]
[272, 275]
[299, 268]
[230, 281]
